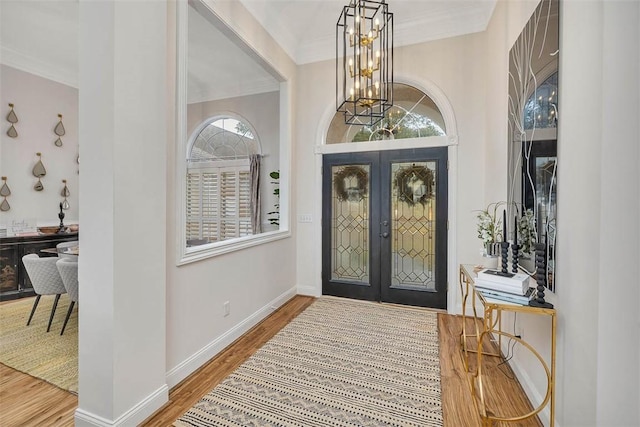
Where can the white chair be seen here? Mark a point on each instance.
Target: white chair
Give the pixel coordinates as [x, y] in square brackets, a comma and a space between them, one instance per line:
[68, 269]
[63, 245]
[45, 279]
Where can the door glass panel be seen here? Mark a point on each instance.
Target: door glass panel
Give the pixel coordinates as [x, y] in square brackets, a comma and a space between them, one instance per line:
[350, 223]
[413, 225]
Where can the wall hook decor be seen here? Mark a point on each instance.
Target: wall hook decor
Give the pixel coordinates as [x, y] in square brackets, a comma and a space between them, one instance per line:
[59, 130]
[13, 119]
[4, 192]
[65, 193]
[39, 171]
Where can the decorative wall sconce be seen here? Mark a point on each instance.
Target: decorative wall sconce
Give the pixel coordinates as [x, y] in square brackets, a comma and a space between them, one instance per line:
[13, 119]
[59, 130]
[4, 192]
[39, 171]
[65, 193]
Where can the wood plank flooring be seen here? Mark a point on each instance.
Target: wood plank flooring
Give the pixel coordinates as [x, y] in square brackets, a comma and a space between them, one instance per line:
[26, 401]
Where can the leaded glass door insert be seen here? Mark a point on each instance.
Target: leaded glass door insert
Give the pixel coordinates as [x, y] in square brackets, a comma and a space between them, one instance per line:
[413, 215]
[384, 226]
[350, 223]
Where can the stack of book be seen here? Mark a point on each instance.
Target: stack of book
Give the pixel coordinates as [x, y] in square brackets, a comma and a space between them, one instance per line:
[509, 287]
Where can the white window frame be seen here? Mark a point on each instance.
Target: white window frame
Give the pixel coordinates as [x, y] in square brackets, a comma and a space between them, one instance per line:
[184, 254]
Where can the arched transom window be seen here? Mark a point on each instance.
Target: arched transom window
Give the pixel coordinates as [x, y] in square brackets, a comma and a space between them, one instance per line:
[541, 109]
[413, 115]
[219, 181]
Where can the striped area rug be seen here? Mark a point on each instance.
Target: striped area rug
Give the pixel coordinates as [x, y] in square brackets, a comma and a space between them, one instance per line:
[339, 363]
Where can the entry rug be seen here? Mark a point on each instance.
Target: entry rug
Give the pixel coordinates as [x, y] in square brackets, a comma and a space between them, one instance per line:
[339, 363]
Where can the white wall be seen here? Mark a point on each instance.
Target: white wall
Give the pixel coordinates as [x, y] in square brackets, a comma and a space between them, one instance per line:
[505, 26]
[122, 269]
[37, 103]
[255, 280]
[262, 111]
[598, 211]
[598, 340]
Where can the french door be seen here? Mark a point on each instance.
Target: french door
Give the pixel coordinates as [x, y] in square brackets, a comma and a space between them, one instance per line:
[384, 226]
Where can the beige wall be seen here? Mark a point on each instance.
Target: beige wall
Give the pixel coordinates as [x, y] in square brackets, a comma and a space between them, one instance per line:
[38, 101]
[454, 67]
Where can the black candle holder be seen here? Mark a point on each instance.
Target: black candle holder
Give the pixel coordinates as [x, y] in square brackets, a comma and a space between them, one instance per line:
[541, 277]
[504, 252]
[61, 216]
[515, 249]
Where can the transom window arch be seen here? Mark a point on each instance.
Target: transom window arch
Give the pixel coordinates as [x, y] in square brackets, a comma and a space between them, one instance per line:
[541, 108]
[223, 169]
[223, 137]
[414, 115]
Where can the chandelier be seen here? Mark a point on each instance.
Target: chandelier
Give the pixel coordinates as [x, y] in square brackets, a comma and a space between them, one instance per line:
[364, 61]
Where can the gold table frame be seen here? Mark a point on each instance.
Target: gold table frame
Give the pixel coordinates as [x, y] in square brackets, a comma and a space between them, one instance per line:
[492, 326]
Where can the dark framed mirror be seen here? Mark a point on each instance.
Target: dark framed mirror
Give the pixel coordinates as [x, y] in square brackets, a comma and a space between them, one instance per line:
[533, 122]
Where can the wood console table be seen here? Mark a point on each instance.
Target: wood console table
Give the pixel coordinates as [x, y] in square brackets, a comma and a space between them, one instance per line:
[14, 280]
[492, 327]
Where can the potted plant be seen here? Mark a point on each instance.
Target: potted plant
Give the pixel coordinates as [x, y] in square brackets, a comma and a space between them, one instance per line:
[490, 228]
[526, 232]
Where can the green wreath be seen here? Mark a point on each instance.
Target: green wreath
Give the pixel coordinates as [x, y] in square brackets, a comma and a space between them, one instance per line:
[413, 178]
[352, 194]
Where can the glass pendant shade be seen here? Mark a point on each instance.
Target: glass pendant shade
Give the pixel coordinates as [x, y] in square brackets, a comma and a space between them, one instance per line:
[364, 61]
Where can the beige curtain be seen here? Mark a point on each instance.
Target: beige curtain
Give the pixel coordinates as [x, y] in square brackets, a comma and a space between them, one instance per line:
[254, 177]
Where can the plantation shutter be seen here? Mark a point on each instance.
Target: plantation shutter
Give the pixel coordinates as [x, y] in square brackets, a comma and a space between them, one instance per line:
[193, 206]
[244, 203]
[218, 203]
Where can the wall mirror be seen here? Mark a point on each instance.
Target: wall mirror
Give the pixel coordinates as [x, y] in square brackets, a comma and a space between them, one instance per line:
[533, 122]
[229, 108]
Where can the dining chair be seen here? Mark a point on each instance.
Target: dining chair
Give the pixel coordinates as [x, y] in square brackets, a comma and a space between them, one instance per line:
[45, 279]
[68, 269]
[63, 245]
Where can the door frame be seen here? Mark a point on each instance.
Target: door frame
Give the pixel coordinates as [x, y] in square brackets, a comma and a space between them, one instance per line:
[378, 285]
[454, 305]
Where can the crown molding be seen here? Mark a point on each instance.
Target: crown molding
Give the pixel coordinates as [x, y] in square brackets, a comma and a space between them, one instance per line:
[233, 91]
[30, 64]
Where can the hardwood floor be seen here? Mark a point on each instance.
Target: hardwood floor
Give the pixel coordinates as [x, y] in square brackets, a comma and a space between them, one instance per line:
[26, 401]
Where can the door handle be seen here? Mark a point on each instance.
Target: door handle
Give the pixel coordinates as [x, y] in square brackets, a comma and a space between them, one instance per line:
[385, 235]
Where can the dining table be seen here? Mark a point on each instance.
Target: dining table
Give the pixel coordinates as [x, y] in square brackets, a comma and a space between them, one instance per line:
[70, 250]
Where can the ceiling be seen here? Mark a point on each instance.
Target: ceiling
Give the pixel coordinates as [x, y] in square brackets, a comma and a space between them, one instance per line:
[306, 29]
[41, 36]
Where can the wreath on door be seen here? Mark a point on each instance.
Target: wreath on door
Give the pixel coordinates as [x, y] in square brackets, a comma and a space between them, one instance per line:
[414, 184]
[346, 176]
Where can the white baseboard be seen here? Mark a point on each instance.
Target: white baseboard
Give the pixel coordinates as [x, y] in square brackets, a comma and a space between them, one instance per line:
[309, 290]
[532, 392]
[134, 416]
[202, 356]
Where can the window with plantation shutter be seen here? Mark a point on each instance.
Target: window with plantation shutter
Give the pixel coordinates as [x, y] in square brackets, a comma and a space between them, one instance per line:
[218, 203]
[218, 195]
